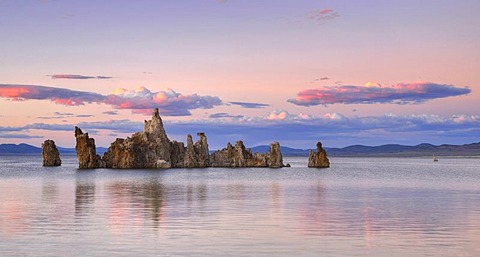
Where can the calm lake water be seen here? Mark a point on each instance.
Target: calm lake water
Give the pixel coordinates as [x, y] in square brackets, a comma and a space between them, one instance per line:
[359, 207]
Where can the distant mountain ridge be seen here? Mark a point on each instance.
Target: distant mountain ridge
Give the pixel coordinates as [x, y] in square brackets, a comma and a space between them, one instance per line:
[390, 150]
[10, 149]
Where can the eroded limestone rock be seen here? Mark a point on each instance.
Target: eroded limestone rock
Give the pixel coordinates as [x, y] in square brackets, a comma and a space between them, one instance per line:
[275, 159]
[319, 158]
[239, 156]
[86, 151]
[50, 154]
[152, 148]
[197, 155]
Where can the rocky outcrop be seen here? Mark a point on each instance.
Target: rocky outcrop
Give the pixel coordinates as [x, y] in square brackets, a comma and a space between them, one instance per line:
[50, 154]
[197, 155]
[275, 159]
[152, 148]
[319, 158]
[239, 156]
[86, 151]
[177, 154]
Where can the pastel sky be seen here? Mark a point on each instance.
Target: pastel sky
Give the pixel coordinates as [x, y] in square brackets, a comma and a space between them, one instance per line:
[341, 72]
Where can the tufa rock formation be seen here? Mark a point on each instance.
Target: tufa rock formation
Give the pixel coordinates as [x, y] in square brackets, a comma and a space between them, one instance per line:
[86, 151]
[153, 149]
[319, 158]
[274, 156]
[148, 149]
[197, 155]
[50, 154]
[238, 156]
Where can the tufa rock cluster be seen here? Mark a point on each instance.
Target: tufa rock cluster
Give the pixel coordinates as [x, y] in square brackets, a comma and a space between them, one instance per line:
[153, 149]
[319, 158]
[50, 154]
[238, 156]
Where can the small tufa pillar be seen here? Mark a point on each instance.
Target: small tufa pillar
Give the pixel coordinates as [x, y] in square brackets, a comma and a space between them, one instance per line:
[50, 154]
[319, 158]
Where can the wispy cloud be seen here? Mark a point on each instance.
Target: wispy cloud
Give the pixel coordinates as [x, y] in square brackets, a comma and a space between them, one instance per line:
[64, 113]
[223, 115]
[17, 136]
[323, 15]
[371, 93]
[57, 95]
[76, 76]
[250, 105]
[110, 112]
[320, 79]
[140, 100]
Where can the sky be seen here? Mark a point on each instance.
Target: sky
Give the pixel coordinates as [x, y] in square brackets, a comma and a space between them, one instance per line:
[340, 72]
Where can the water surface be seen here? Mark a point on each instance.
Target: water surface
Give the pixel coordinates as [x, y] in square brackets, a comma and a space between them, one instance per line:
[359, 207]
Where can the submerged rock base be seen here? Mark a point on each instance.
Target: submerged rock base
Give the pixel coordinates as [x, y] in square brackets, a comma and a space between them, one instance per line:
[152, 149]
[50, 154]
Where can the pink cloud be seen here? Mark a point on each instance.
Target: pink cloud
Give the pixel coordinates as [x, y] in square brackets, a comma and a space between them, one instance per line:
[15, 93]
[56, 95]
[323, 15]
[370, 93]
[325, 11]
[168, 101]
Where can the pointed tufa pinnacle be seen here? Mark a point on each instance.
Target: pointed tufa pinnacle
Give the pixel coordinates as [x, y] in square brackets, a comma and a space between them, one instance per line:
[156, 114]
[78, 131]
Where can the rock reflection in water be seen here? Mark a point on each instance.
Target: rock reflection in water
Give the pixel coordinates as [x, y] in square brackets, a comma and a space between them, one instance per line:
[84, 197]
[146, 202]
[49, 191]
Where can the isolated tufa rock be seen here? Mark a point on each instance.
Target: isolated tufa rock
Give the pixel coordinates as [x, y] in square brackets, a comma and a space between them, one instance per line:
[50, 154]
[239, 156]
[319, 158]
[275, 159]
[86, 151]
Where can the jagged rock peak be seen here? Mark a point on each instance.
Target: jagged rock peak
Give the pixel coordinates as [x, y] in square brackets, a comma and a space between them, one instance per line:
[78, 131]
[50, 154]
[86, 151]
[319, 158]
[155, 125]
